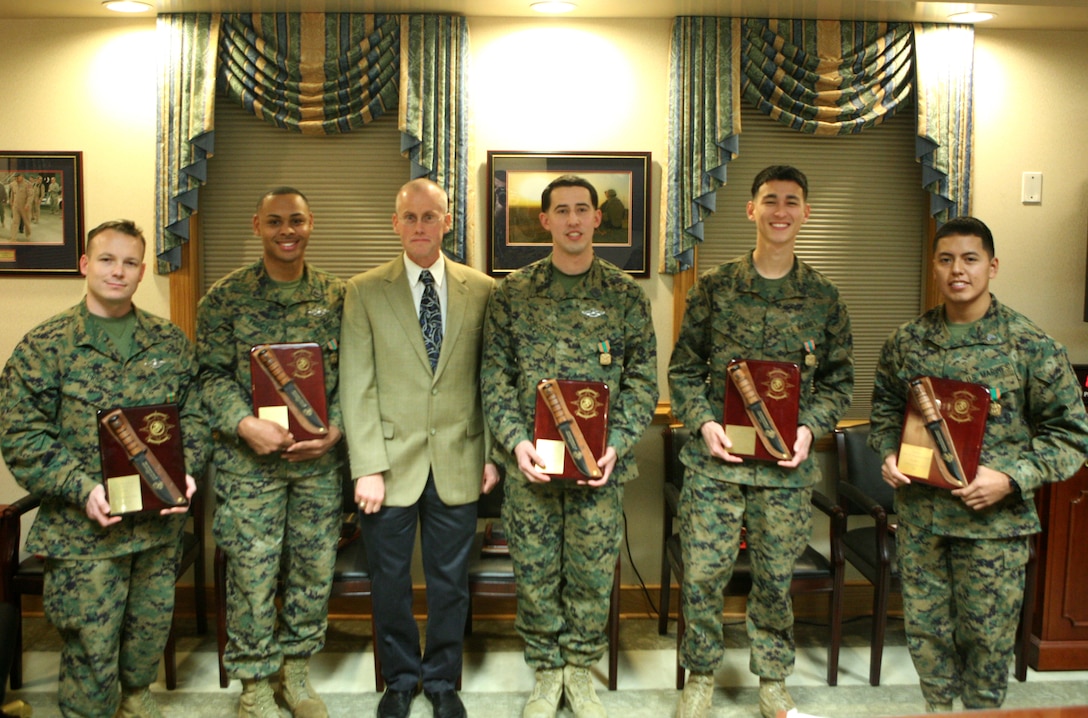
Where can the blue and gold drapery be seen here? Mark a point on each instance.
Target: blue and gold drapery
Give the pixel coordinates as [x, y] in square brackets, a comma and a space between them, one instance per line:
[820, 77]
[313, 73]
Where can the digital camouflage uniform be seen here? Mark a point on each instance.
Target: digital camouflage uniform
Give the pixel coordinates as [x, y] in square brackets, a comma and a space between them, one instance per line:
[270, 510]
[733, 313]
[109, 591]
[564, 539]
[963, 570]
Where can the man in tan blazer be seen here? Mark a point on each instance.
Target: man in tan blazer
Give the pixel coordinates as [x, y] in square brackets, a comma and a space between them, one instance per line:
[417, 442]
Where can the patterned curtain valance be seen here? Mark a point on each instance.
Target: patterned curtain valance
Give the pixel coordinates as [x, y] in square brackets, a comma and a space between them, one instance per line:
[826, 77]
[311, 72]
[821, 77]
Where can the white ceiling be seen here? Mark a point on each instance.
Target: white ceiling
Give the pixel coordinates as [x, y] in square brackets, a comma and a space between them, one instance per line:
[1011, 14]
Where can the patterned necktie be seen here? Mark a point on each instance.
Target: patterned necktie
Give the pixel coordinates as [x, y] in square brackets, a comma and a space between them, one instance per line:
[430, 318]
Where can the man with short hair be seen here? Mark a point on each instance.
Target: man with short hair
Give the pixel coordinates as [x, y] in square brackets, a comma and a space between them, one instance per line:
[962, 552]
[109, 579]
[417, 441]
[765, 305]
[568, 316]
[279, 498]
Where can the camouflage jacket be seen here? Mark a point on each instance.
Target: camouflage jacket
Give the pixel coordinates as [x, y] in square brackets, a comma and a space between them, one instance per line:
[727, 318]
[55, 382]
[1040, 435]
[241, 311]
[536, 330]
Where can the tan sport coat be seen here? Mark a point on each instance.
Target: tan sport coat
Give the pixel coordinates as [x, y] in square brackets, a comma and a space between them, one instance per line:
[401, 420]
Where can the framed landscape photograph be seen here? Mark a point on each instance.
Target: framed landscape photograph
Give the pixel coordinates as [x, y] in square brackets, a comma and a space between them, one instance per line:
[41, 205]
[515, 237]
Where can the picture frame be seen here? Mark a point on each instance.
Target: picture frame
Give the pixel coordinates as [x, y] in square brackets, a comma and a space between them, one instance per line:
[51, 184]
[515, 181]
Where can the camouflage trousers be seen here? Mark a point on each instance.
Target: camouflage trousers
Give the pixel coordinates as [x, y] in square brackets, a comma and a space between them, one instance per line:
[113, 616]
[778, 523]
[961, 600]
[279, 532]
[564, 541]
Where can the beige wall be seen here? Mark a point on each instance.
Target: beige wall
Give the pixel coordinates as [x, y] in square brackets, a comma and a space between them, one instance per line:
[565, 85]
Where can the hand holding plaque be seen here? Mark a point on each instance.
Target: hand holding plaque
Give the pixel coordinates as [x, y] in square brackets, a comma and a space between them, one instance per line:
[143, 460]
[571, 427]
[761, 408]
[942, 431]
[288, 384]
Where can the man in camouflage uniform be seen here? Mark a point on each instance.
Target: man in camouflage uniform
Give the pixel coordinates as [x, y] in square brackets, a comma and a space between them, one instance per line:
[962, 552]
[568, 316]
[109, 580]
[278, 499]
[766, 305]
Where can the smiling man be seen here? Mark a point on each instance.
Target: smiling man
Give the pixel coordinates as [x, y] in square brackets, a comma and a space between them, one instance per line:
[109, 579]
[962, 552]
[278, 512]
[766, 305]
[568, 316]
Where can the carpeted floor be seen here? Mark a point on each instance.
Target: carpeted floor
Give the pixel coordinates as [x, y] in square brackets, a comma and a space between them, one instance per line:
[496, 680]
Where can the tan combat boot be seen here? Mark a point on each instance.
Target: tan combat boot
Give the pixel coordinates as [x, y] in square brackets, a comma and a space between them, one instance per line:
[581, 696]
[544, 700]
[298, 693]
[695, 700]
[773, 697]
[257, 700]
[138, 703]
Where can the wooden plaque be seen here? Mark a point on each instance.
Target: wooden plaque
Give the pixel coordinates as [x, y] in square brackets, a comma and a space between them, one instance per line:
[588, 403]
[963, 406]
[779, 387]
[158, 428]
[305, 366]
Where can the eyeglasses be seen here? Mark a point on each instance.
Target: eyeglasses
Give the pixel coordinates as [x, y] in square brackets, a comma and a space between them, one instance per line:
[427, 219]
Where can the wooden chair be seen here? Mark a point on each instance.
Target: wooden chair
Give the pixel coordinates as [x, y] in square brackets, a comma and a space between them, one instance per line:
[26, 577]
[813, 572]
[492, 575]
[871, 548]
[351, 579]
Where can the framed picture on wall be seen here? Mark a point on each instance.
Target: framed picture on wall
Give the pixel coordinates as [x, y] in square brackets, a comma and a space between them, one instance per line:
[515, 181]
[41, 205]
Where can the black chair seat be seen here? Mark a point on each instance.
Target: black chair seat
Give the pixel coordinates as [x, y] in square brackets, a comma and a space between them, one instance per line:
[859, 547]
[351, 565]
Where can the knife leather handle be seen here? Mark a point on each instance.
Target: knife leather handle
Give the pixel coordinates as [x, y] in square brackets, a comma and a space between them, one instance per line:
[120, 427]
[743, 381]
[272, 364]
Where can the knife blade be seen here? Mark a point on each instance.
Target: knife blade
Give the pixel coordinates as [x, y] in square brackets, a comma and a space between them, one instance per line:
[921, 391]
[292, 395]
[568, 428]
[757, 411]
[146, 463]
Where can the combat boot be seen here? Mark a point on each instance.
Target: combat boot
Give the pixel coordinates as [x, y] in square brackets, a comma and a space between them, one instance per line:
[581, 697]
[297, 691]
[257, 700]
[544, 700]
[773, 697]
[138, 703]
[695, 700]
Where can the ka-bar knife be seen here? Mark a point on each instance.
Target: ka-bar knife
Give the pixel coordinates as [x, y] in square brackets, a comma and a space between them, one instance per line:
[757, 412]
[294, 398]
[568, 428]
[921, 390]
[147, 464]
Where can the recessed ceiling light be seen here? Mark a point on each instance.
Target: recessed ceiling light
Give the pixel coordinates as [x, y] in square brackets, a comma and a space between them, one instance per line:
[552, 7]
[126, 6]
[971, 16]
